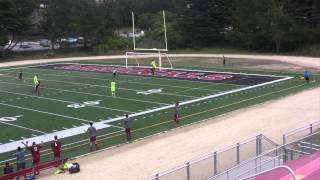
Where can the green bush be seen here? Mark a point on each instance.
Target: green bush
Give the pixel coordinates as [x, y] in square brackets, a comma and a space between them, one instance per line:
[113, 44]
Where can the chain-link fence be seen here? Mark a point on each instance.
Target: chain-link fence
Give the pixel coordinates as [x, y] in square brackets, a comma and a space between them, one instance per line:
[218, 161]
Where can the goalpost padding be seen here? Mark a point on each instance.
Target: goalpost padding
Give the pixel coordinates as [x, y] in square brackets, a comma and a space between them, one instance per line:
[141, 55]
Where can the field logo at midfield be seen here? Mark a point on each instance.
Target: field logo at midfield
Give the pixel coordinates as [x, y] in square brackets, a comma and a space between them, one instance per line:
[10, 119]
[150, 91]
[84, 104]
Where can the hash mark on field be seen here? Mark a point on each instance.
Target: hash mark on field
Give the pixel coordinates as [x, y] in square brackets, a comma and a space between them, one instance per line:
[74, 125]
[143, 117]
[83, 123]
[33, 135]
[23, 137]
[11, 140]
[54, 130]
[166, 112]
[64, 128]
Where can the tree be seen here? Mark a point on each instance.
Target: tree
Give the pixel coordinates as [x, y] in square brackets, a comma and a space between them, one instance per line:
[69, 18]
[173, 34]
[87, 18]
[203, 22]
[15, 21]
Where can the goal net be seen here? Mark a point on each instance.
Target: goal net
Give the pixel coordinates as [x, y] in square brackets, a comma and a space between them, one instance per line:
[143, 59]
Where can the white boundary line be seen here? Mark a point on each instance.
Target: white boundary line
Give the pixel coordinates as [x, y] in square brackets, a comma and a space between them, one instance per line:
[58, 100]
[157, 77]
[103, 122]
[200, 99]
[93, 94]
[146, 67]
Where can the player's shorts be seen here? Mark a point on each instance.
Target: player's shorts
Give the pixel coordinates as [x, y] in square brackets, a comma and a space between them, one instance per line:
[128, 130]
[21, 166]
[307, 78]
[56, 154]
[36, 159]
[114, 74]
[113, 90]
[176, 117]
[93, 139]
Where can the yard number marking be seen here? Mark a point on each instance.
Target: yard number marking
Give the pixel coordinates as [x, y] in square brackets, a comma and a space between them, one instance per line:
[84, 104]
[150, 91]
[10, 119]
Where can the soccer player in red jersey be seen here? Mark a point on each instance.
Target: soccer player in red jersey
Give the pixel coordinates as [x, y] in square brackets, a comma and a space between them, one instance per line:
[35, 152]
[56, 148]
[176, 111]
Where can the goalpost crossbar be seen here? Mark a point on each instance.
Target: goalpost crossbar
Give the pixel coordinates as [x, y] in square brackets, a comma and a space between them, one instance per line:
[142, 55]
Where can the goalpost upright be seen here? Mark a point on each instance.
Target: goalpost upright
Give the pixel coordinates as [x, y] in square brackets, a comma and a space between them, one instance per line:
[160, 52]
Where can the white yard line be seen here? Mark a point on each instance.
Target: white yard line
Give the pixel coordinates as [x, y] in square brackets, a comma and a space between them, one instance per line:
[21, 127]
[125, 81]
[58, 100]
[44, 112]
[93, 85]
[93, 94]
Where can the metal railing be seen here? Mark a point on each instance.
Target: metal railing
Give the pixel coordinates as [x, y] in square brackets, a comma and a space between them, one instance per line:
[218, 161]
[300, 132]
[246, 158]
[270, 159]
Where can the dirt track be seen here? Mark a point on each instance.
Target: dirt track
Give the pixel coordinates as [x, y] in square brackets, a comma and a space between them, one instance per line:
[161, 152]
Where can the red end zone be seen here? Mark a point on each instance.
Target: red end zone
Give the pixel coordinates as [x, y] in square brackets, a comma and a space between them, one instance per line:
[184, 74]
[147, 72]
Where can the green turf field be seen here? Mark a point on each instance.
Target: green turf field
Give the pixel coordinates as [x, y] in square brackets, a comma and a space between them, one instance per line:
[72, 99]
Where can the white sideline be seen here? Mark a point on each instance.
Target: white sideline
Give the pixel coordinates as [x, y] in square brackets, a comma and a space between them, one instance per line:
[49, 137]
[79, 130]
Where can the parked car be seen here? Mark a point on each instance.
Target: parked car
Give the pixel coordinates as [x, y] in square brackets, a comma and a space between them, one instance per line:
[24, 45]
[69, 40]
[44, 43]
